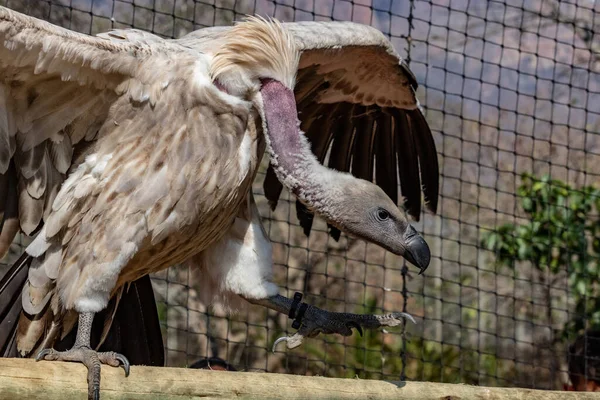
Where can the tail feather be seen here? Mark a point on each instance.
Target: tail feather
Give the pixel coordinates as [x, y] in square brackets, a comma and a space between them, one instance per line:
[37, 316]
[110, 313]
[11, 286]
[9, 209]
[31, 331]
[8, 330]
[137, 323]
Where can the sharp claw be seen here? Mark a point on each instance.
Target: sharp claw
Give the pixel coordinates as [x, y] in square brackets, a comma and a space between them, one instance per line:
[96, 395]
[281, 339]
[407, 316]
[40, 356]
[124, 363]
[353, 324]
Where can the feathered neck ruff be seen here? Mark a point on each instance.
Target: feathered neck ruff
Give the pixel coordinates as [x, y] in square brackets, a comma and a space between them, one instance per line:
[256, 48]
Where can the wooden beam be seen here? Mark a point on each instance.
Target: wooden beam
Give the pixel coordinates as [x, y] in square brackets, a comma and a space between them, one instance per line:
[26, 379]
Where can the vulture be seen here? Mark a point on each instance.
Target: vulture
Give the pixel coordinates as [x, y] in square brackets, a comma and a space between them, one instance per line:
[125, 153]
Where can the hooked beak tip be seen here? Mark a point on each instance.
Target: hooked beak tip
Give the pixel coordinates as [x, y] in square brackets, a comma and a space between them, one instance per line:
[417, 253]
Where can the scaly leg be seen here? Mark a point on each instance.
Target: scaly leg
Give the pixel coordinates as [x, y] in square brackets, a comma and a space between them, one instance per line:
[312, 320]
[83, 353]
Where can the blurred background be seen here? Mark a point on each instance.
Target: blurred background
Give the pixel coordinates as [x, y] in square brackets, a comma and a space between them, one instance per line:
[511, 90]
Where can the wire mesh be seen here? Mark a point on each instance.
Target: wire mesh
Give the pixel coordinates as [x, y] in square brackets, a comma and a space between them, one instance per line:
[509, 87]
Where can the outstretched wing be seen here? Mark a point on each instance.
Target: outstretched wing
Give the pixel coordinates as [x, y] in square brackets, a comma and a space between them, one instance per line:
[56, 90]
[357, 106]
[56, 87]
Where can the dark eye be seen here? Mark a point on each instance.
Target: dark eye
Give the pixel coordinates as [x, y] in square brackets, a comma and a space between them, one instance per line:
[382, 214]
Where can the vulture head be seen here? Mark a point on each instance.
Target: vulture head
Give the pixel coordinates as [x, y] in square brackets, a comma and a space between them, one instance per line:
[258, 61]
[364, 210]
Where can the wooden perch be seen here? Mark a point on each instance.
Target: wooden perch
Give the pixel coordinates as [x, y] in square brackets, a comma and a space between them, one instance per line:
[26, 379]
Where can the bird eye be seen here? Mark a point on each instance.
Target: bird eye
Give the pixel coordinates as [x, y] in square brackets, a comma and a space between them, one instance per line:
[382, 214]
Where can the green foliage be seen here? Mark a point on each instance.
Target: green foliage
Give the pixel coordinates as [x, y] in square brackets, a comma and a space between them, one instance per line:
[562, 234]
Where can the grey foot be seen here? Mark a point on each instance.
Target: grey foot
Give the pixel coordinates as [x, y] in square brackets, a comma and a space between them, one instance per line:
[91, 359]
[317, 321]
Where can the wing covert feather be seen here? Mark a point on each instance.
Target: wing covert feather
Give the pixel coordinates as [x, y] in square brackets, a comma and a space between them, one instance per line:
[56, 87]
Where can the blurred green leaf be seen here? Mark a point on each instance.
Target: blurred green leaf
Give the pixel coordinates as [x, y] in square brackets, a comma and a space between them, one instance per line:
[562, 235]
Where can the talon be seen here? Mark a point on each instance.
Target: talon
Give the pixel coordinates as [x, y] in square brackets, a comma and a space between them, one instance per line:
[96, 395]
[40, 356]
[407, 316]
[281, 339]
[358, 328]
[124, 363]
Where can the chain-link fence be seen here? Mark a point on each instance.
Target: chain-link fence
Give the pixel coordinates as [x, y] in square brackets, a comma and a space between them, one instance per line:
[509, 88]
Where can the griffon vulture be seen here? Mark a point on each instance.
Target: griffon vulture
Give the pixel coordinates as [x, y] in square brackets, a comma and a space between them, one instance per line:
[127, 153]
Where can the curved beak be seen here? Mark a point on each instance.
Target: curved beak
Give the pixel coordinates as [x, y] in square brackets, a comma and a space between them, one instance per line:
[417, 251]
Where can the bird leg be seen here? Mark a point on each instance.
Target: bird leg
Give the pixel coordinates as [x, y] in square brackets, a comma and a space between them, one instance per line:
[311, 320]
[83, 353]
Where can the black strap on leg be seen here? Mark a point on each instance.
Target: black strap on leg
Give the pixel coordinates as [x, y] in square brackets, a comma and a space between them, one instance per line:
[301, 310]
[298, 321]
[295, 302]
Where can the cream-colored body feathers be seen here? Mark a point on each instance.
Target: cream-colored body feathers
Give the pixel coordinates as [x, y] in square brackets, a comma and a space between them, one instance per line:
[240, 263]
[165, 160]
